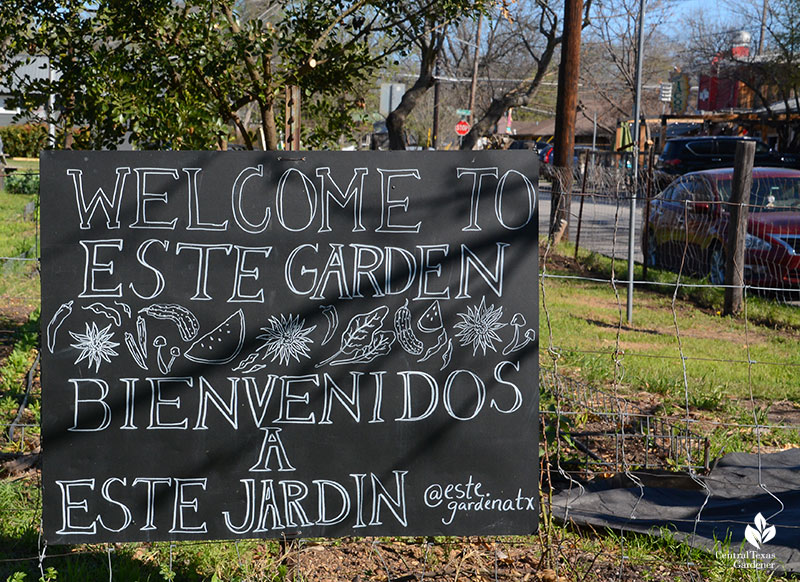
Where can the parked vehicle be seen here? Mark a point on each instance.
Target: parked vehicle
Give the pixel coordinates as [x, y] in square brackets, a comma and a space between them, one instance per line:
[546, 153]
[690, 154]
[524, 144]
[542, 148]
[688, 224]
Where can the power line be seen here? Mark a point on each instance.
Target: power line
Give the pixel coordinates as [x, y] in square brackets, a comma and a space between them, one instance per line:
[513, 80]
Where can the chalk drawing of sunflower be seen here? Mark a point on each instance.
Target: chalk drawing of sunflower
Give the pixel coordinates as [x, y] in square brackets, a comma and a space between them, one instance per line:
[479, 326]
[286, 338]
[95, 345]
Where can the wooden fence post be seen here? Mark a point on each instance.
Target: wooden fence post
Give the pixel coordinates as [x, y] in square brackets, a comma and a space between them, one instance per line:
[737, 226]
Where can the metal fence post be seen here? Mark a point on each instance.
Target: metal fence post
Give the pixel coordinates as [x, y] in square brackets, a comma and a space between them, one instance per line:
[583, 196]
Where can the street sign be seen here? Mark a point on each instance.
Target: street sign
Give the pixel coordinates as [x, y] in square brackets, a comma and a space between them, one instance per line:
[665, 93]
[464, 112]
[462, 127]
[391, 95]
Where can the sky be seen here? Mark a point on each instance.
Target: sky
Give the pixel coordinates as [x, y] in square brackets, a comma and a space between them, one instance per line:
[717, 11]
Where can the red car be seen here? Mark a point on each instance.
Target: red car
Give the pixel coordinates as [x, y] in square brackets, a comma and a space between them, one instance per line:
[688, 225]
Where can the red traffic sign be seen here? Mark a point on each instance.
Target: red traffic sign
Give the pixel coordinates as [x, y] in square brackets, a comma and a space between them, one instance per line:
[462, 127]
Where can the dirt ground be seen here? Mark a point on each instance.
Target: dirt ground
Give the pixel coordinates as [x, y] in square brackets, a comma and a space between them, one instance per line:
[477, 559]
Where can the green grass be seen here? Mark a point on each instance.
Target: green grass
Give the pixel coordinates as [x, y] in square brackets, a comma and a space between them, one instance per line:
[24, 165]
[689, 356]
[17, 235]
[18, 240]
[722, 357]
[12, 385]
[768, 311]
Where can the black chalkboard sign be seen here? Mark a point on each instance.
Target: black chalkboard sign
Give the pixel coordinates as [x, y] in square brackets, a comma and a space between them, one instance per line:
[241, 345]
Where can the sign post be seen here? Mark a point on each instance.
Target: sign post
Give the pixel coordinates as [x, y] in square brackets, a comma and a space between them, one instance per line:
[246, 344]
[391, 95]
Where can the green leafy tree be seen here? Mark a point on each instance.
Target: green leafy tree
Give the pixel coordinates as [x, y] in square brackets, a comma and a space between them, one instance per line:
[180, 75]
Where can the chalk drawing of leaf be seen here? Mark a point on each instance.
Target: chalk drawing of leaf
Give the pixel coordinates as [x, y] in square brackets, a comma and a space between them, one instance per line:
[360, 329]
[381, 345]
[752, 535]
[359, 333]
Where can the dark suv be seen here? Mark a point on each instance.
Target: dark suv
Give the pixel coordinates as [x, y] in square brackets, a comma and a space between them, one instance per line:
[689, 154]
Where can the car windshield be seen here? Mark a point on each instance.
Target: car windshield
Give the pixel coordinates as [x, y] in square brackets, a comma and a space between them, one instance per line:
[771, 194]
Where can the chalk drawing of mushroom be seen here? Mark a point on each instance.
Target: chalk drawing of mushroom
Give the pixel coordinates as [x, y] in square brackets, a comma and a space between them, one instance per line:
[519, 340]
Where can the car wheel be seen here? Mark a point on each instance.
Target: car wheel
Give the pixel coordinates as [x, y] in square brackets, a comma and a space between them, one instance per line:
[716, 266]
[652, 250]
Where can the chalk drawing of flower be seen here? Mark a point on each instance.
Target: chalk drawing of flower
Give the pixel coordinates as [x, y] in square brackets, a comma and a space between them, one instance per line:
[286, 338]
[479, 327]
[760, 534]
[95, 345]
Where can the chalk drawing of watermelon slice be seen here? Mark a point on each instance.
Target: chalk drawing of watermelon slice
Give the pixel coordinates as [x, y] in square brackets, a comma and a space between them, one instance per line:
[431, 320]
[222, 344]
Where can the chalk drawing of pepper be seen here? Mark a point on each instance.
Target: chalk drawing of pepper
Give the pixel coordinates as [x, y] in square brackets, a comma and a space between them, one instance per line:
[58, 318]
[332, 317]
[105, 311]
[135, 350]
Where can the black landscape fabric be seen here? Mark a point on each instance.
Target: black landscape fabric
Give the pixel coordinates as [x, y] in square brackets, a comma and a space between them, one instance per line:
[722, 505]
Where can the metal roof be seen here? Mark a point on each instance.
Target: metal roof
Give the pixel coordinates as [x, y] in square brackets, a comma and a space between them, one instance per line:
[33, 68]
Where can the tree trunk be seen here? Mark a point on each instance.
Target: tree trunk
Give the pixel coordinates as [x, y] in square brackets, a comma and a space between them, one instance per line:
[519, 95]
[268, 125]
[497, 108]
[396, 120]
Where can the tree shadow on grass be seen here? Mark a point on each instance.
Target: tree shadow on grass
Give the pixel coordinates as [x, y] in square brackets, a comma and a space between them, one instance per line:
[128, 563]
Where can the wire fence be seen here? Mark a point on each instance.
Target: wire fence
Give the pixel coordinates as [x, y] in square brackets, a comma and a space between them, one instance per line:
[644, 401]
[684, 221]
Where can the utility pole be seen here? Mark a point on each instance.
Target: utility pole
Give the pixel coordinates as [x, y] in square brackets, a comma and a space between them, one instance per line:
[764, 10]
[637, 107]
[473, 88]
[566, 110]
[435, 140]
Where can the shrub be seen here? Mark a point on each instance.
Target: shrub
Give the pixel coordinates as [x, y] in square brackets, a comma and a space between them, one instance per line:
[23, 141]
[22, 183]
